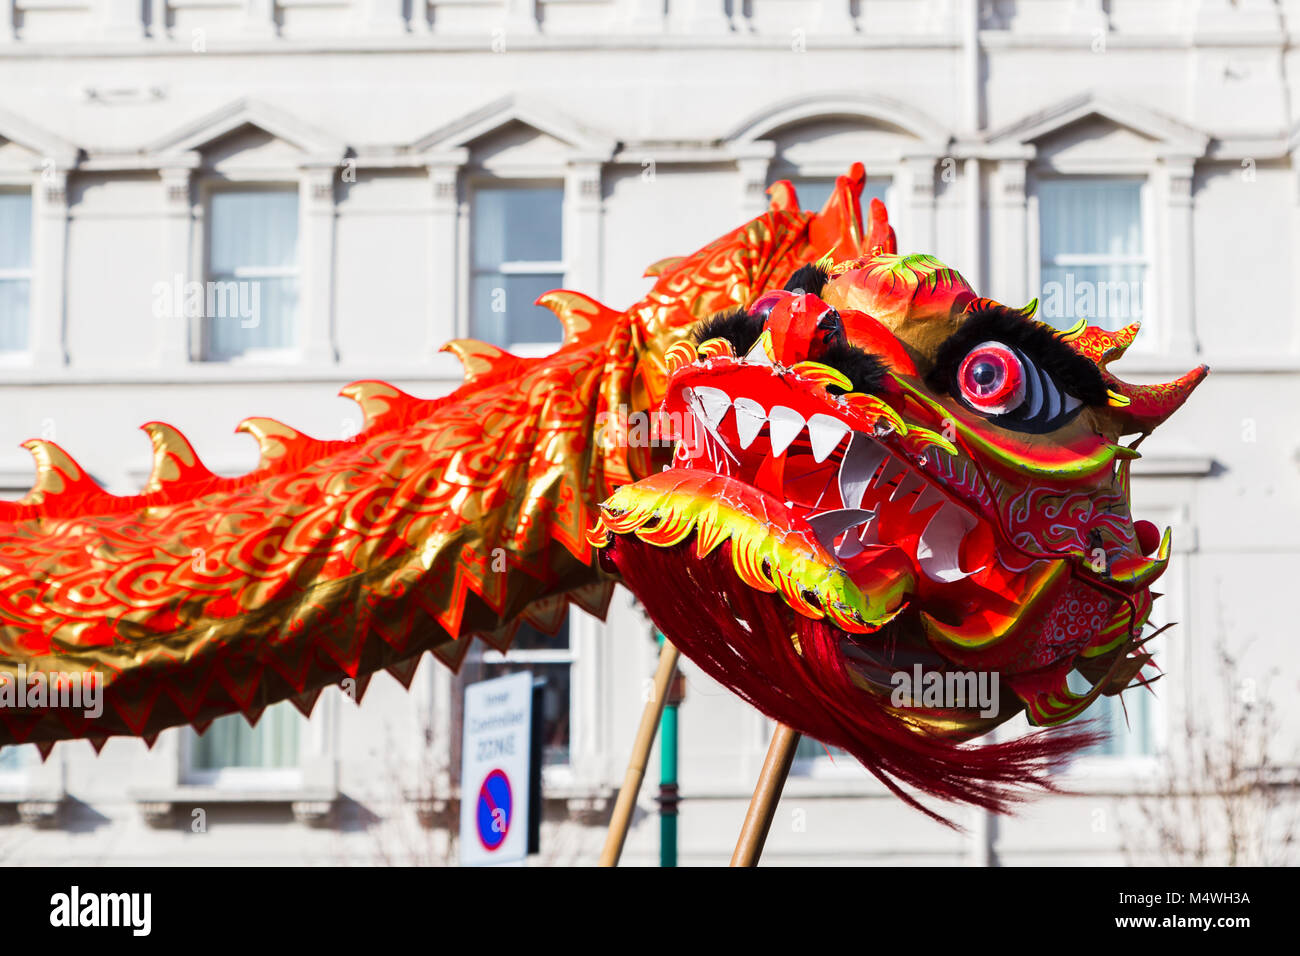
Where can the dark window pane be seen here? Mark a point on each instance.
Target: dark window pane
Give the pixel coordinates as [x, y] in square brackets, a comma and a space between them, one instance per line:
[1090, 217]
[529, 638]
[517, 225]
[15, 307]
[555, 703]
[230, 742]
[1109, 296]
[16, 230]
[503, 313]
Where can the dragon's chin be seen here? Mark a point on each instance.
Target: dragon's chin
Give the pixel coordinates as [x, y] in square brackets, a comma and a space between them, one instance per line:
[724, 567]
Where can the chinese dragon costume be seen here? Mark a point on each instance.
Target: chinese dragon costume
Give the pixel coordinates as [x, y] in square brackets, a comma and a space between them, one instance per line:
[816, 462]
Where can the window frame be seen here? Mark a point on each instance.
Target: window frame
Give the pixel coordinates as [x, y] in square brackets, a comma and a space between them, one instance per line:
[201, 353]
[478, 180]
[236, 778]
[559, 774]
[1154, 327]
[16, 187]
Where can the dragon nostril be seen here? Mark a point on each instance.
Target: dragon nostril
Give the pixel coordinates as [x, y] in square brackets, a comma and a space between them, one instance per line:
[831, 325]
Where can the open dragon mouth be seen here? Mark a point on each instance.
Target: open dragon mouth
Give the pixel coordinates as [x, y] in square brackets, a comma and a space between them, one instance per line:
[868, 504]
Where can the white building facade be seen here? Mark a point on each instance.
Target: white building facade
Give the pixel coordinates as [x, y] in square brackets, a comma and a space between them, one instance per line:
[217, 209]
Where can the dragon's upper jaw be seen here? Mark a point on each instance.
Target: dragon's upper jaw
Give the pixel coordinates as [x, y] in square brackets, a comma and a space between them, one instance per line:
[853, 474]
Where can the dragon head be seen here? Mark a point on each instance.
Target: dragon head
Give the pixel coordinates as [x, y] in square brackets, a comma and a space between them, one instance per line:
[880, 473]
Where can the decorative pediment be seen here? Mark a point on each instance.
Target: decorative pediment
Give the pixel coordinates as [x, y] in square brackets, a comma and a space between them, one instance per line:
[26, 146]
[1090, 116]
[516, 124]
[249, 124]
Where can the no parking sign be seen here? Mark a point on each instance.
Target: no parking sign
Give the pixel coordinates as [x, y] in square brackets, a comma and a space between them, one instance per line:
[500, 771]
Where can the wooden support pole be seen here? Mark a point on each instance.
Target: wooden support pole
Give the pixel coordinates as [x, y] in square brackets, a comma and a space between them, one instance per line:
[645, 738]
[767, 794]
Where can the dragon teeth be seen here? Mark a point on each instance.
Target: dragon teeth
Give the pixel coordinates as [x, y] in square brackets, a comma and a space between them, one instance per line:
[861, 459]
[829, 525]
[929, 497]
[937, 553]
[713, 403]
[786, 424]
[906, 485]
[824, 434]
[749, 420]
[893, 468]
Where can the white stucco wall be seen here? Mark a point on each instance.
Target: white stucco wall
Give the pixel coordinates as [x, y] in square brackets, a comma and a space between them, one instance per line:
[373, 113]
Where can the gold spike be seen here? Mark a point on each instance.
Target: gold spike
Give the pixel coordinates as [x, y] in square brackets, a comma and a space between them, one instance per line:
[663, 265]
[783, 197]
[273, 438]
[56, 472]
[376, 399]
[1116, 400]
[173, 458]
[825, 262]
[479, 358]
[1030, 309]
[584, 319]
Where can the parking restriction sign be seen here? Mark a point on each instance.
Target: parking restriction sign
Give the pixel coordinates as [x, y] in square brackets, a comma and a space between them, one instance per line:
[497, 771]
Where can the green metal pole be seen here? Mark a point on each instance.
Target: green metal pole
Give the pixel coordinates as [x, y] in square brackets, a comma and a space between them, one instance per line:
[668, 795]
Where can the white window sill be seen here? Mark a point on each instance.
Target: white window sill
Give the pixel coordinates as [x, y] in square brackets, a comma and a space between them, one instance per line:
[311, 805]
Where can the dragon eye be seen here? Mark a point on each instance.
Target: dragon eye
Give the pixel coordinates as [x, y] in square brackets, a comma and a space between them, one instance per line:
[765, 303]
[992, 379]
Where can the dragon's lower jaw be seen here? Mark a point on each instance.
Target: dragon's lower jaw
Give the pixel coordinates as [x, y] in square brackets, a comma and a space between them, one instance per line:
[829, 687]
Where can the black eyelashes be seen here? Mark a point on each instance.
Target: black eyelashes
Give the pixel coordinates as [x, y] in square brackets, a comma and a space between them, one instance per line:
[1072, 372]
[737, 326]
[811, 279]
[864, 370]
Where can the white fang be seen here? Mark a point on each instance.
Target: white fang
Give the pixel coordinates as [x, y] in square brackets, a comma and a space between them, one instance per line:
[749, 420]
[786, 424]
[714, 403]
[937, 551]
[824, 433]
[861, 459]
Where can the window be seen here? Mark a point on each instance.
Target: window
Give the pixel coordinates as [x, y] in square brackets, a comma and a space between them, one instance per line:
[16, 758]
[517, 255]
[251, 297]
[230, 749]
[1129, 725]
[1094, 262]
[549, 658]
[15, 270]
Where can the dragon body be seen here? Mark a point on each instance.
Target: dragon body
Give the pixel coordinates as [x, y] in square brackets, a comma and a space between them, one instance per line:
[852, 489]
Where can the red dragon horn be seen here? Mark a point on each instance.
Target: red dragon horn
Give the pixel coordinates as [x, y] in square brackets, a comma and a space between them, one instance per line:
[1135, 408]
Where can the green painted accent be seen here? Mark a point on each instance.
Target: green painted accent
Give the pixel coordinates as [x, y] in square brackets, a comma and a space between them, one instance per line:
[667, 776]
